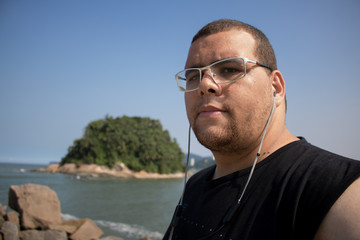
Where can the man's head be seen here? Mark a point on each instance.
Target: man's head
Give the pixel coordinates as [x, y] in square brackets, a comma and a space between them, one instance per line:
[263, 49]
[231, 117]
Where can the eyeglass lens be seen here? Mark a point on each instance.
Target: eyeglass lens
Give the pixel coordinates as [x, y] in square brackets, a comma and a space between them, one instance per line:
[222, 72]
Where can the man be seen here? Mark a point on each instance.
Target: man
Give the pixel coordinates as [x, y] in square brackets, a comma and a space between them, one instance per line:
[267, 183]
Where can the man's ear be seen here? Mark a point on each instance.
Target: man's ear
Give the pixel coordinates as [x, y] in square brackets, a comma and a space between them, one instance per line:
[278, 85]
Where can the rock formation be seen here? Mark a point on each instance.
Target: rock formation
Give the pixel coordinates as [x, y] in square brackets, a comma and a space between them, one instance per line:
[38, 206]
[95, 171]
[40, 217]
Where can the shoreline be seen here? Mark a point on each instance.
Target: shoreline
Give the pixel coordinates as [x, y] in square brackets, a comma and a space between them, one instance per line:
[97, 171]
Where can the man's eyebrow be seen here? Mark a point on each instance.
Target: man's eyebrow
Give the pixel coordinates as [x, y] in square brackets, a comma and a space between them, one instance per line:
[195, 66]
[201, 66]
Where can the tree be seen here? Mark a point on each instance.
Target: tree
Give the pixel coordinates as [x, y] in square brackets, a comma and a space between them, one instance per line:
[139, 142]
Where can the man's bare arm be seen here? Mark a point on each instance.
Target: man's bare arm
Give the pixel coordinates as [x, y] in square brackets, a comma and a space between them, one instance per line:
[343, 219]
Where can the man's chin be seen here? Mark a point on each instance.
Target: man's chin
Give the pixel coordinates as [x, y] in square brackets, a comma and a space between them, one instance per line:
[212, 138]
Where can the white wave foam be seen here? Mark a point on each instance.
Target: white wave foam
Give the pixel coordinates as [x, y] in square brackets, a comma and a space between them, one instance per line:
[66, 216]
[132, 231]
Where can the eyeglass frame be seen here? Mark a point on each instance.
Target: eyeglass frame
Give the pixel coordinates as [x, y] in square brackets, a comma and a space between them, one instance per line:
[246, 60]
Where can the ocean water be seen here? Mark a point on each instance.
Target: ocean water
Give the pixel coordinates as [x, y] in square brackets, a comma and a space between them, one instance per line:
[127, 208]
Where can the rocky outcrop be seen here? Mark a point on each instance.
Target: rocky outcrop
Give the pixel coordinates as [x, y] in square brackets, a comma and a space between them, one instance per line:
[38, 217]
[47, 234]
[95, 171]
[10, 231]
[85, 230]
[38, 206]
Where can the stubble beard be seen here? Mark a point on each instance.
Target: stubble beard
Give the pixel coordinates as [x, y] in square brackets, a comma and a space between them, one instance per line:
[229, 138]
[218, 142]
[235, 136]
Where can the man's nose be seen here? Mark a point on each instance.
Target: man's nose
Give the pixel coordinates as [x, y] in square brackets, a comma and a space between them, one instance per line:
[208, 84]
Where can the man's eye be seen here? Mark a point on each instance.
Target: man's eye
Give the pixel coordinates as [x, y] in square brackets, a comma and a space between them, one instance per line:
[230, 70]
[194, 77]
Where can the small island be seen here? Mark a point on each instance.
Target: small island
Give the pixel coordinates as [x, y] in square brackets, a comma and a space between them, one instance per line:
[122, 147]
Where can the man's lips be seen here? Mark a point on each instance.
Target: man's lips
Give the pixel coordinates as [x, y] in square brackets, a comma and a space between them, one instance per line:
[210, 112]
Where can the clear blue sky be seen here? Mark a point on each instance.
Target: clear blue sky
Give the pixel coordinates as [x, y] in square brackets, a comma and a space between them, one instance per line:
[66, 63]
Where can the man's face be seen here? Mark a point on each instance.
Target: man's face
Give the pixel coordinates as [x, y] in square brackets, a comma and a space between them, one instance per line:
[228, 117]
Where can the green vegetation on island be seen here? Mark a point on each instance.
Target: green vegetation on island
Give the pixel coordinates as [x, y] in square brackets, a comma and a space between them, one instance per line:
[138, 142]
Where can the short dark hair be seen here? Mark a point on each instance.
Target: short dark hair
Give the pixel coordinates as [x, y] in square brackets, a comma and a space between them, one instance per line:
[263, 49]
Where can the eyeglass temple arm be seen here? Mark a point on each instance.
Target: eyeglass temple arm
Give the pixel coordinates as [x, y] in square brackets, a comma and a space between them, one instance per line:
[259, 63]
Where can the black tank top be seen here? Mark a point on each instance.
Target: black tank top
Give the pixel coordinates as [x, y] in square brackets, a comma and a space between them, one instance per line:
[289, 194]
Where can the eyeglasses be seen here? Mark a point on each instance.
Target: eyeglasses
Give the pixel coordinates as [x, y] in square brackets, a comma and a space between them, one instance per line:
[224, 71]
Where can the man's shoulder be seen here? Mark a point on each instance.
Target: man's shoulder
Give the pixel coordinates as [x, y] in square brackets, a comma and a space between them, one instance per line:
[312, 164]
[305, 153]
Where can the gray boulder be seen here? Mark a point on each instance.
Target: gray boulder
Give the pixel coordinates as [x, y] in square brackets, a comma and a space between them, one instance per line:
[38, 205]
[10, 231]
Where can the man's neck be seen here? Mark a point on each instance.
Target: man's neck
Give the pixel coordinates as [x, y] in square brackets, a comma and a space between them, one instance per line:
[227, 163]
